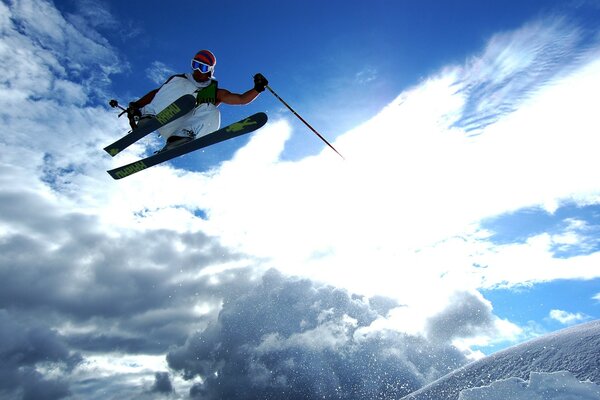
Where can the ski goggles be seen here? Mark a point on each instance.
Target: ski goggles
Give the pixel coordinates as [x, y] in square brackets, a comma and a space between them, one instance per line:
[200, 66]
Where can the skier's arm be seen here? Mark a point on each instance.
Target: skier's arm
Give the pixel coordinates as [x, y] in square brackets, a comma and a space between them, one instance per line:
[144, 100]
[134, 108]
[225, 96]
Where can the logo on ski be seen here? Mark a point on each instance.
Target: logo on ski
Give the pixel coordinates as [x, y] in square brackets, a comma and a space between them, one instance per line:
[131, 169]
[168, 113]
[238, 126]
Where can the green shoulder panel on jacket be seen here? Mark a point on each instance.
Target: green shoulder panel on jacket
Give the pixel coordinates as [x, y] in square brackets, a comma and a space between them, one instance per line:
[207, 94]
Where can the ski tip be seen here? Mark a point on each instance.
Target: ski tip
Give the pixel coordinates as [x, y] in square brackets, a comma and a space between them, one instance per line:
[125, 171]
[112, 175]
[112, 151]
[260, 117]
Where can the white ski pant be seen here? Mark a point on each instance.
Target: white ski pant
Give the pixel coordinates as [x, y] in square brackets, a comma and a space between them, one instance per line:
[204, 119]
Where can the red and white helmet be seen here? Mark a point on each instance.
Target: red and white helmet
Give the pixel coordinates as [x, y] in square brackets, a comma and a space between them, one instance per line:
[204, 61]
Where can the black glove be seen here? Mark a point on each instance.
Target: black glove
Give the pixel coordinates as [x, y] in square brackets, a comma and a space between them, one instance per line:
[260, 82]
[133, 110]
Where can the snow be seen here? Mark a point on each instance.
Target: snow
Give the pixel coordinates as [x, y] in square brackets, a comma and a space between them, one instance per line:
[564, 365]
[541, 386]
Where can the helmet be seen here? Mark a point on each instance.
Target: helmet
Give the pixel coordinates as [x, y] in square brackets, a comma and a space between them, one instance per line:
[206, 57]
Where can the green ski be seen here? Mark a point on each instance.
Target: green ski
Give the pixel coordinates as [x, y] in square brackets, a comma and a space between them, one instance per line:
[178, 108]
[236, 129]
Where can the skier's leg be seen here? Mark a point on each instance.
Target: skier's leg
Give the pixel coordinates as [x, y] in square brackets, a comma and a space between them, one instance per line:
[200, 122]
[204, 120]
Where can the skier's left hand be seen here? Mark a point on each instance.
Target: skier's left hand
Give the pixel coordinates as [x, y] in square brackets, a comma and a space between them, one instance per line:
[133, 110]
[260, 82]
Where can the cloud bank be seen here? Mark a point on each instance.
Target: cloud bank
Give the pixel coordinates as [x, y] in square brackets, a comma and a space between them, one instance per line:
[290, 338]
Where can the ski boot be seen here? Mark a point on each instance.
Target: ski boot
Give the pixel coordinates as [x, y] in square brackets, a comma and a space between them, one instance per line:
[182, 137]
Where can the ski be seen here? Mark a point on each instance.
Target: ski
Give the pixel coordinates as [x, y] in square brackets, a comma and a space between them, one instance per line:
[236, 129]
[178, 108]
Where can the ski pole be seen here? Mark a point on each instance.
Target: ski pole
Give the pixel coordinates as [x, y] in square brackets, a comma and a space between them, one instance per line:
[302, 119]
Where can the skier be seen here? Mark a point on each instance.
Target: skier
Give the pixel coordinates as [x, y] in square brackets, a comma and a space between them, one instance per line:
[205, 117]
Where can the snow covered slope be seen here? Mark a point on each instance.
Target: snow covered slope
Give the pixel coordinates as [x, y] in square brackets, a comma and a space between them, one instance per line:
[575, 349]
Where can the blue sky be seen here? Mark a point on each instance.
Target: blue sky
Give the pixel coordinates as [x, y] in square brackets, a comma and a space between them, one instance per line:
[465, 218]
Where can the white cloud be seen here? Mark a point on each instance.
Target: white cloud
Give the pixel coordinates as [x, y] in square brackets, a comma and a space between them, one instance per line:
[66, 51]
[401, 212]
[567, 318]
[384, 219]
[529, 262]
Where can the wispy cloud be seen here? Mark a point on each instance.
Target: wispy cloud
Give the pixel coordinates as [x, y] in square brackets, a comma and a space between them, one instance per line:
[567, 318]
[578, 237]
[158, 72]
[67, 53]
[514, 66]
[366, 75]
